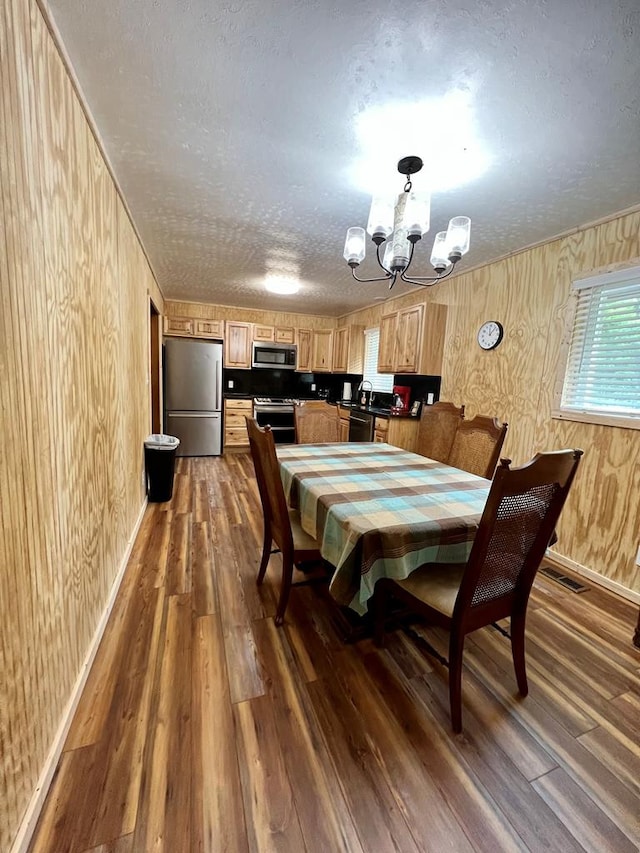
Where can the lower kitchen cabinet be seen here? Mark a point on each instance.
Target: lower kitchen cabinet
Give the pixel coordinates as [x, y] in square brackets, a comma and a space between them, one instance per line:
[401, 432]
[345, 414]
[235, 426]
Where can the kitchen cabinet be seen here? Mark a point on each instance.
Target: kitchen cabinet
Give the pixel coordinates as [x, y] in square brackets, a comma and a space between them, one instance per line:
[263, 333]
[387, 343]
[380, 429]
[412, 340]
[178, 326]
[209, 329]
[344, 414]
[401, 432]
[235, 426]
[348, 349]
[274, 334]
[237, 344]
[321, 350]
[303, 341]
[193, 327]
[284, 335]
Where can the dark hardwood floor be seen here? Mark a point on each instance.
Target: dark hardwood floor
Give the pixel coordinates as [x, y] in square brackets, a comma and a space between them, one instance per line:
[204, 727]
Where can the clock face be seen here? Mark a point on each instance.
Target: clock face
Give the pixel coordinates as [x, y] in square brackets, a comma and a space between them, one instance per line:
[490, 334]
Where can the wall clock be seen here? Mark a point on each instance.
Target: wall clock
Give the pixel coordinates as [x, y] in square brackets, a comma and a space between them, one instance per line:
[490, 334]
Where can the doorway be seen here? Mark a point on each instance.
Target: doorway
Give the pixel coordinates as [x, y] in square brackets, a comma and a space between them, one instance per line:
[155, 367]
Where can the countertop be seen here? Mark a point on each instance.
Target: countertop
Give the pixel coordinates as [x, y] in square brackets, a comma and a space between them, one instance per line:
[378, 411]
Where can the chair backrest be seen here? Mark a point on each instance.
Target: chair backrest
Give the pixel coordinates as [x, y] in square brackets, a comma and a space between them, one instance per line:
[316, 422]
[265, 462]
[436, 430]
[518, 521]
[477, 444]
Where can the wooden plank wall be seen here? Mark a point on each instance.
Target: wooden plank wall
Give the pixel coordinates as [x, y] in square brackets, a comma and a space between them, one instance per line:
[528, 293]
[208, 311]
[74, 405]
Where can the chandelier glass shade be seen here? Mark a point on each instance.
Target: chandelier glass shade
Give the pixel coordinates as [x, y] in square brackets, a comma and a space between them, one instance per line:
[395, 226]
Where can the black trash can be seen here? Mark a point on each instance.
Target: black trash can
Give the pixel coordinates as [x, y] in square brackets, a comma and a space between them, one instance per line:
[159, 460]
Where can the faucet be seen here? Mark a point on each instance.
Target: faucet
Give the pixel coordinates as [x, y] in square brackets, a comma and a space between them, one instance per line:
[365, 394]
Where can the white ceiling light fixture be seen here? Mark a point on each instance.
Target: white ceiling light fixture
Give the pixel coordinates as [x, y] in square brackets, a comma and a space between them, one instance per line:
[282, 285]
[401, 225]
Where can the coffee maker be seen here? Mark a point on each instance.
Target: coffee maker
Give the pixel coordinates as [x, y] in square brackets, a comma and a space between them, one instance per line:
[401, 398]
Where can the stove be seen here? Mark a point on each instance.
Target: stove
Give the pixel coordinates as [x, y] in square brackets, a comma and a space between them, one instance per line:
[277, 412]
[275, 403]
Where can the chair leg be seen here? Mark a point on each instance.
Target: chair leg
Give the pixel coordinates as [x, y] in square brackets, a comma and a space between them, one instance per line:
[266, 552]
[456, 647]
[517, 650]
[285, 588]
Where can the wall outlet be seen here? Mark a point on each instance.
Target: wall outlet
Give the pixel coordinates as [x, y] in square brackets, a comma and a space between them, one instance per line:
[429, 399]
[230, 383]
[313, 386]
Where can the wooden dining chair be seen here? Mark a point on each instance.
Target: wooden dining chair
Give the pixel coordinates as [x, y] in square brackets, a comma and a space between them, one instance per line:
[518, 520]
[477, 444]
[437, 429]
[281, 524]
[316, 422]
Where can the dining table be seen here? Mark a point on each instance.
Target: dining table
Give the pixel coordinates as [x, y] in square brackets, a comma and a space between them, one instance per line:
[377, 511]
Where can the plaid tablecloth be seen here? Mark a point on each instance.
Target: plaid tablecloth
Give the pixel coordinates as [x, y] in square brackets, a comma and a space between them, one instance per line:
[379, 511]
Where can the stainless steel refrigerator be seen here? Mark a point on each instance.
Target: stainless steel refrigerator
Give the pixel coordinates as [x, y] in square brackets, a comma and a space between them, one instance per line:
[193, 395]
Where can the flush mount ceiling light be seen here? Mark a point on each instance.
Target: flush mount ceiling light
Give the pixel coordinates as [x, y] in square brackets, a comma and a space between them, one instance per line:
[281, 285]
[400, 226]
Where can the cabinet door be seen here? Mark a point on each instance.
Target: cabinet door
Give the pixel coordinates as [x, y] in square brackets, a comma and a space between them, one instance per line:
[344, 430]
[340, 349]
[209, 328]
[263, 333]
[403, 433]
[237, 345]
[409, 339]
[285, 334]
[321, 350]
[355, 350]
[387, 346]
[178, 326]
[433, 338]
[303, 339]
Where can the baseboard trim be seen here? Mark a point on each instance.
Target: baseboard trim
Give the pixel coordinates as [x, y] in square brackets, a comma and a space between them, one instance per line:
[565, 563]
[32, 814]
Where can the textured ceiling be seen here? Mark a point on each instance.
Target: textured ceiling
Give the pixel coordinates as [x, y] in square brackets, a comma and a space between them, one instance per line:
[232, 127]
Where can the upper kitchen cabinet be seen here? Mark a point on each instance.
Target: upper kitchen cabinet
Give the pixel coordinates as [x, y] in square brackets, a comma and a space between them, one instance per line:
[321, 350]
[193, 327]
[387, 344]
[209, 329]
[276, 334]
[284, 335]
[178, 326]
[303, 342]
[412, 340]
[348, 349]
[237, 344]
[263, 333]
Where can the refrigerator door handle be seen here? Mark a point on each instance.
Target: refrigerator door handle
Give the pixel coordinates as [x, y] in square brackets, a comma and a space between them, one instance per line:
[219, 384]
[179, 414]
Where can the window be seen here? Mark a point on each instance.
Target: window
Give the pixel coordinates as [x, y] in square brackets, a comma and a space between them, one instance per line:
[602, 374]
[382, 382]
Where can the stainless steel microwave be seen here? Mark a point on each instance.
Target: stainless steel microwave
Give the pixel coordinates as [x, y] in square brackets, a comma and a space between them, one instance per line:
[280, 356]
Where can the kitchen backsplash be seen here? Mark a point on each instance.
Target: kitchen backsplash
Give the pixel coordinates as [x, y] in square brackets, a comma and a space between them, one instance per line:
[261, 382]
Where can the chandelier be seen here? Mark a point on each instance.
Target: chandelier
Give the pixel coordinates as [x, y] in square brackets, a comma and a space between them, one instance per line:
[399, 227]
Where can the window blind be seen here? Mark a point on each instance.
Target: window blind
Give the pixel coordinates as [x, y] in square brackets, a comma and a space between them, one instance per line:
[382, 382]
[603, 368]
